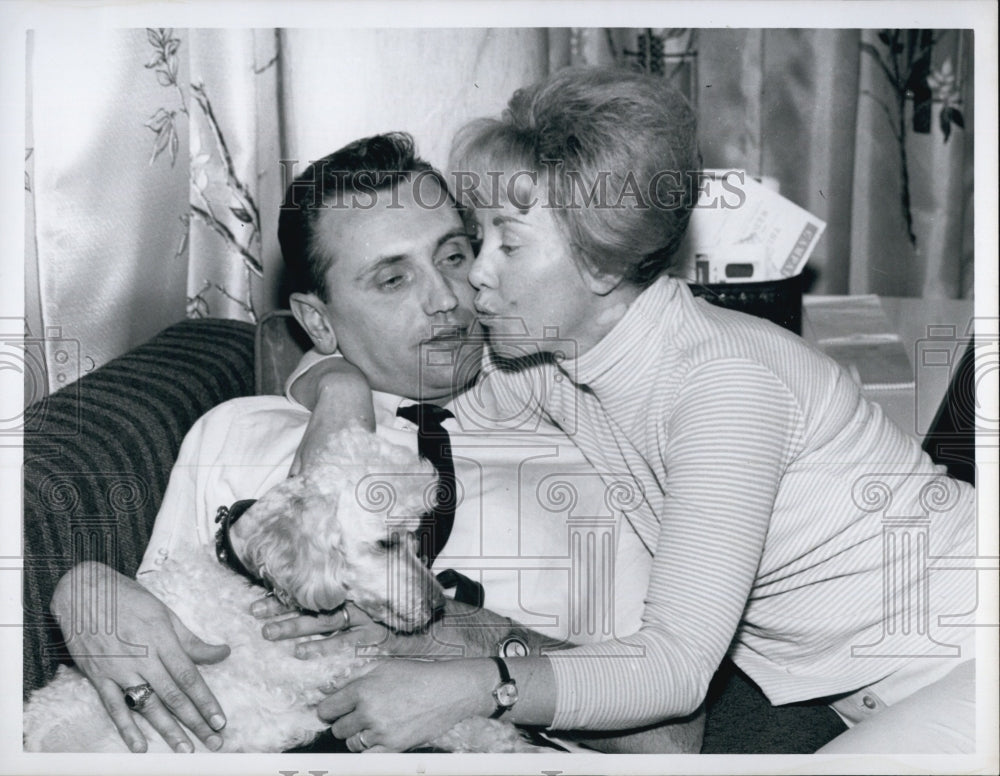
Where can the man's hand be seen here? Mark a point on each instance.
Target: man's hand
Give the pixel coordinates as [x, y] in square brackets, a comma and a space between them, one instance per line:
[463, 631]
[478, 630]
[348, 624]
[165, 654]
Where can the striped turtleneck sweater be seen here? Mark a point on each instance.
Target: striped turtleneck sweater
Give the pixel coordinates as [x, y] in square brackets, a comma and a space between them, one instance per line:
[789, 519]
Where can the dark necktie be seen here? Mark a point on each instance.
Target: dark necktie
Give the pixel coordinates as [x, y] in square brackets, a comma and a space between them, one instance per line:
[434, 444]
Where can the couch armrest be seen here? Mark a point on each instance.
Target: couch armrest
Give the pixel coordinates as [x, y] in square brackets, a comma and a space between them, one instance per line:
[98, 454]
[281, 342]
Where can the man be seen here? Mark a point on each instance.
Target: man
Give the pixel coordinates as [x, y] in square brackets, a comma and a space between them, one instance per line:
[379, 257]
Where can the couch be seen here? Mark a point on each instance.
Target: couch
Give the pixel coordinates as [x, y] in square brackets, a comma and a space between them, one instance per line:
[98, 453]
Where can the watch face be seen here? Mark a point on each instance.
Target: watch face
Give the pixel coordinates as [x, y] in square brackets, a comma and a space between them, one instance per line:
[513, 647]
[506, 694]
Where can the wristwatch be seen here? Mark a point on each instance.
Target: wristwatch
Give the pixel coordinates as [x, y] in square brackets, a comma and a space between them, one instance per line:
[513, 646]
[505, 693]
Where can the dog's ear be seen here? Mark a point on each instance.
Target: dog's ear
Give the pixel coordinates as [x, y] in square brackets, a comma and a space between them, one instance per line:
[293, 532]
[321, 590]
[307, 541]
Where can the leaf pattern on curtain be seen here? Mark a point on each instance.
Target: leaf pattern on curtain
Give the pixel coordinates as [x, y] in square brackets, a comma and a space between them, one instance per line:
[219, 199]
[165, 65]
[905, 58]
[233, 212]
[912, 219]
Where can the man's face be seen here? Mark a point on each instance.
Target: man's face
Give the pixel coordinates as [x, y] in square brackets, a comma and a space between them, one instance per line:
[400, 301]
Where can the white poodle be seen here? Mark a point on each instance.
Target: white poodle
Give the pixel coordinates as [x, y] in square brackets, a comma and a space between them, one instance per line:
[337, 532]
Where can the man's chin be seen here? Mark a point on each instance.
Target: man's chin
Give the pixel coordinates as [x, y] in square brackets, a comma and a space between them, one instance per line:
[448, 365]
[442, 384]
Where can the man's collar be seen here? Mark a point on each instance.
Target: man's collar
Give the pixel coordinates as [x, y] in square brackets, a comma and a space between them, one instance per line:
[386, 404]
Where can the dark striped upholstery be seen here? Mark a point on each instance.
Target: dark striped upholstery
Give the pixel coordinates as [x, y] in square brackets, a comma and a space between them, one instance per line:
[98, 453]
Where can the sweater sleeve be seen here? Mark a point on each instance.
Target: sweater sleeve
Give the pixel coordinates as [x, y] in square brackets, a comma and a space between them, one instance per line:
[722, 452]
[309, 359]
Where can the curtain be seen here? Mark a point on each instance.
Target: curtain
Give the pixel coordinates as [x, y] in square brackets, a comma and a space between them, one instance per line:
[153, 174]
[815, 111]
[914, 229]
[150, 168]
[103, 252]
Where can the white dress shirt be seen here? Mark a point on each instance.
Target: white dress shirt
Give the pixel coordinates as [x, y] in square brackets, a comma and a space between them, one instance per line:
[532, 520]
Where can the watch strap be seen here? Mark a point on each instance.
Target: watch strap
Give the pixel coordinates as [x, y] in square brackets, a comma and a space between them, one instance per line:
[504, 679]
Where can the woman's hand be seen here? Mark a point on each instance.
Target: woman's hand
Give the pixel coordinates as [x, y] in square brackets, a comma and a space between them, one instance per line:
[402, 704]
[339, 396]
[159, 650]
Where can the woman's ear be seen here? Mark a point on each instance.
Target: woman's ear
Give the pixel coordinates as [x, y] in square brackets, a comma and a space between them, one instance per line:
[599, 281]
[603, 283]
[310, 311]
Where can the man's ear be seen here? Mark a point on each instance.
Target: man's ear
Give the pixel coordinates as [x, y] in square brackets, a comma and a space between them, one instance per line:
[310, 311]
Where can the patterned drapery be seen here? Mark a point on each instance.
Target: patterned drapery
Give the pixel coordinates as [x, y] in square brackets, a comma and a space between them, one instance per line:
[153, 167]
[149, 185]
[153, 173]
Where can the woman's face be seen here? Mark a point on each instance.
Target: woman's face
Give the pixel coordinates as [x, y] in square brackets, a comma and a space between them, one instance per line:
[531, 290]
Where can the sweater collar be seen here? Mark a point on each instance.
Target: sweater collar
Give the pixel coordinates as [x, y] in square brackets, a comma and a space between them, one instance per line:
[625, 351]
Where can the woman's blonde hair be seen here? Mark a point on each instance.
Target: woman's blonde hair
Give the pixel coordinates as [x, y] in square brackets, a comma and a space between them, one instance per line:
[612, 152]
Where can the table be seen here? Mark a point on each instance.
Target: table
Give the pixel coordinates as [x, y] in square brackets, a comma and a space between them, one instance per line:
[934, 333]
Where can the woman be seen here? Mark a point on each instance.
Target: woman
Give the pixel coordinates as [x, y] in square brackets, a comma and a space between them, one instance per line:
[770, 482]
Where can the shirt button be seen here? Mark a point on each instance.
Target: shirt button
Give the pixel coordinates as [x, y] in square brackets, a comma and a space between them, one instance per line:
[869, 702]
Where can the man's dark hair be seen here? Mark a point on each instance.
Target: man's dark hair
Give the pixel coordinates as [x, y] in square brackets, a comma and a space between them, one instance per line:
[372, 164]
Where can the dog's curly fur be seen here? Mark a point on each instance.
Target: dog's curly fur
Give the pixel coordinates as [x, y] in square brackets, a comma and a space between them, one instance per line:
[322, 537]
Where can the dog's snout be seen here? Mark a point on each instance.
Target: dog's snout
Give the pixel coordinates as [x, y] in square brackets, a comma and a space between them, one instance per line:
[414, 594]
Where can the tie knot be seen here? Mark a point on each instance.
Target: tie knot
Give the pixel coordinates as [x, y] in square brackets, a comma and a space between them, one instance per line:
[427, 417]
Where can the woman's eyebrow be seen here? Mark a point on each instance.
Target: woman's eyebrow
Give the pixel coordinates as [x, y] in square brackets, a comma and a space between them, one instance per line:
[501, 220]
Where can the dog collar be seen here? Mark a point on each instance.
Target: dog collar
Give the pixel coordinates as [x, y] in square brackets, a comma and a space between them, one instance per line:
[225, 517]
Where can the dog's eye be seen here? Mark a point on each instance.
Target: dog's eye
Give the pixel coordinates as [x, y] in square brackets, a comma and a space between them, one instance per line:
[388, 543]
